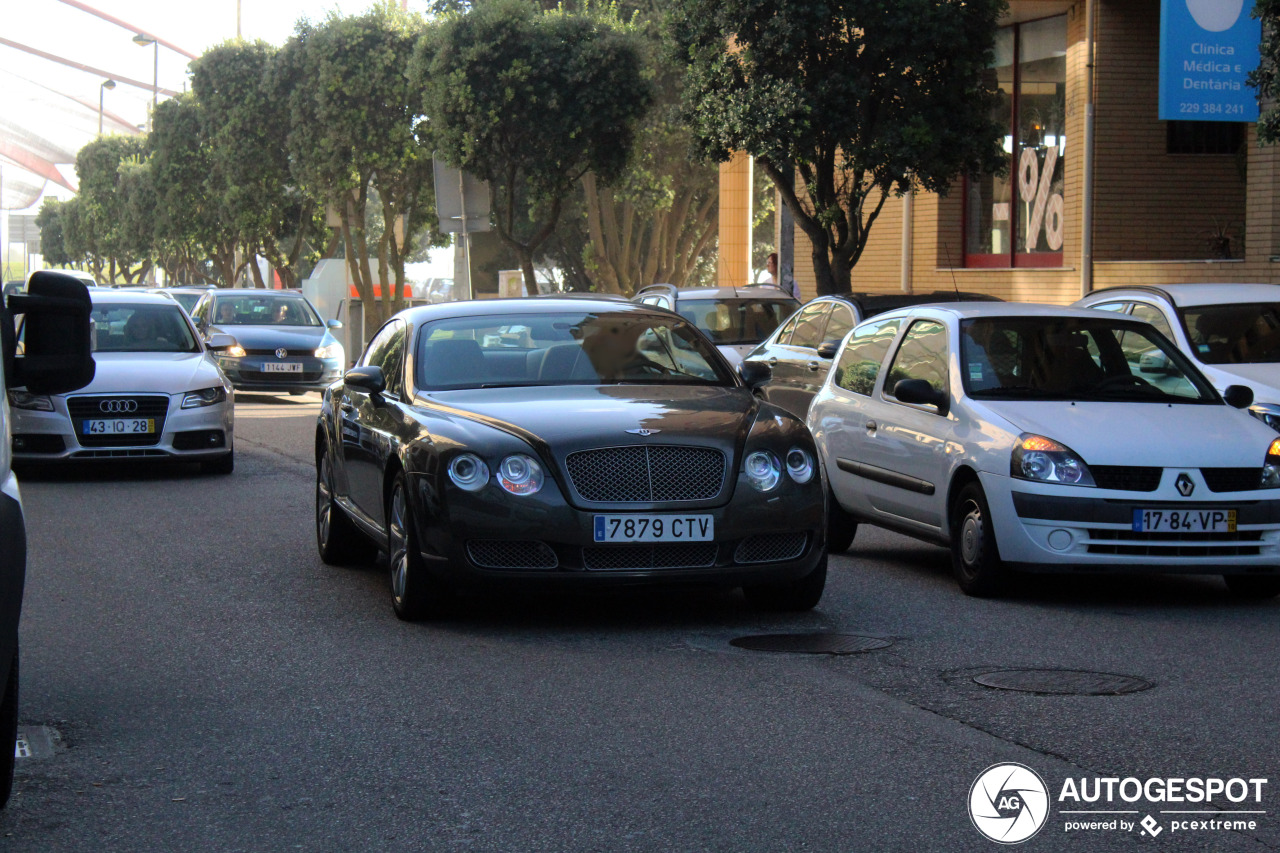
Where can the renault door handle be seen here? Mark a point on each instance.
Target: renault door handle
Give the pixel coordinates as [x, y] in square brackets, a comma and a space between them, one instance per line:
[871, 426]
[814, 365]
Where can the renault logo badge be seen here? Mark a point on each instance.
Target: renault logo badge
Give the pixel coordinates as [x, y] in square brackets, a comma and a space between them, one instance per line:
[1185, 485]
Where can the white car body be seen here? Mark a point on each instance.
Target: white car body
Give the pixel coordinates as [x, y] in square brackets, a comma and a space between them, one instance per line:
[901, 466]
[135, 385]
[1141, 302]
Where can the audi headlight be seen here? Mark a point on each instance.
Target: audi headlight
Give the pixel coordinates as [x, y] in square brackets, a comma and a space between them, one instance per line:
[520, 474]
[763, 470]
[1268, 413]
[235, 351]
[799, 465]
[207, 397]
[333, 350]
[32, 402]
[468, 472]
[1271, 467]
[1045, 460]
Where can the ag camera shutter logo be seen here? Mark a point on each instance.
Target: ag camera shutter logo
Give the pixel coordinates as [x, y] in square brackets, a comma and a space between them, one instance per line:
[1008, 803]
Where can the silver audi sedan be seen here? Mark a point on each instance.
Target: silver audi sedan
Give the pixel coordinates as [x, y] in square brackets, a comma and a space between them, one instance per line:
[157, 393]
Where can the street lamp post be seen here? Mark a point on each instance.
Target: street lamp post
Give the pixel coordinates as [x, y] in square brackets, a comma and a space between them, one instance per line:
[142, 40]
[102, 90]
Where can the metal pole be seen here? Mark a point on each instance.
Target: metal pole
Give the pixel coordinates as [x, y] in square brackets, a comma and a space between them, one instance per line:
[237, 20]
[466, 237]
[908, 224]
[102, 93]
[155, 88]
[1086, 200]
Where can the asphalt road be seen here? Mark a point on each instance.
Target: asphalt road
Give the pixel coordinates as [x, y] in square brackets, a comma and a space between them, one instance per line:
[211, 685]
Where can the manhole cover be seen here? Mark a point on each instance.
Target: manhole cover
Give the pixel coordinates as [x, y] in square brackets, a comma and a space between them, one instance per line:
[811, 644]
[1066, 682]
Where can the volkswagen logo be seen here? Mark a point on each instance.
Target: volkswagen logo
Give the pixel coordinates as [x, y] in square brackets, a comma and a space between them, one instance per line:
[643, 432]
[118, 407]
[282, 352]
[1185, 485]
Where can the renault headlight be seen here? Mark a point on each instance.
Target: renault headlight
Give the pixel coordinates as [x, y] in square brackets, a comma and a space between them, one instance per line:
[763, 470]
[1046, 461]
[1268, 413]
[333, 350]
[207, 397]
[1271, 467]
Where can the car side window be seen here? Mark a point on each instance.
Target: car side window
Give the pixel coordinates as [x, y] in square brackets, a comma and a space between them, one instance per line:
[1154, 316]
[1118, 307]
[809, 325]
[201, 312]
[839, 323]
[923, 354]
[784, 337]
[860, 361]
[386, 351]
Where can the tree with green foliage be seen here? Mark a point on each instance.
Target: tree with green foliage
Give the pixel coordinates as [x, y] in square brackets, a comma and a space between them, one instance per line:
[531, 101]
[115, 251]
[862, 99]
[51, 220]
[188, 191]
[1266, 77]
[261, 203]
[351, 114]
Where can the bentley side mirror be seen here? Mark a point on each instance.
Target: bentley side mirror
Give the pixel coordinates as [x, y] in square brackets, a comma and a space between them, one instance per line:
[755, 372]
[918, 392]
[368, 379]
[1238, 396]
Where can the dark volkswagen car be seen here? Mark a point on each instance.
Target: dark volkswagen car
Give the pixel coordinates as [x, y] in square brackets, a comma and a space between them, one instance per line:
[563, 440]
[789, 367]
[282, 344]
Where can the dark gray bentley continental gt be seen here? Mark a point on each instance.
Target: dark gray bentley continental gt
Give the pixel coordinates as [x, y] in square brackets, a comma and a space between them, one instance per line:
[569, 440]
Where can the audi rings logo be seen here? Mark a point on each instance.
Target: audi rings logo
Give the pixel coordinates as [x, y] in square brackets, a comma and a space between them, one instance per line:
[282, 352]
[1008, 803]
[118, 407]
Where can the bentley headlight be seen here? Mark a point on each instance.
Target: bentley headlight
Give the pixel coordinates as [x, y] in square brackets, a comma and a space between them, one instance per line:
[207, 397]
[1045, 460]
[763, 470]
[32, 402]
[468, 472]
[520, 474]
[799, 465]
[333, 350]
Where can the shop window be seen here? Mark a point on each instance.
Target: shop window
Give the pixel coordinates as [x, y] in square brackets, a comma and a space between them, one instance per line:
[1205, 137]
[1017, 220]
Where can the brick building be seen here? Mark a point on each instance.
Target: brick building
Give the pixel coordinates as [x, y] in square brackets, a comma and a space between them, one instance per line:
[1173, 201]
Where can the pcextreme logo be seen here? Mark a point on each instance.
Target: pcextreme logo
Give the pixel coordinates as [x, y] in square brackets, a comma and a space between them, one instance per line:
[1008, 803]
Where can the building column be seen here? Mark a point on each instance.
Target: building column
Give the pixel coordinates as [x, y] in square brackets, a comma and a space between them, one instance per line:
[733, 266]
[1262, 202]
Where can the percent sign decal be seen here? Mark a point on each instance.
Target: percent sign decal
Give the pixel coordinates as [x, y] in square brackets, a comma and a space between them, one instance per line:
[1034, 185]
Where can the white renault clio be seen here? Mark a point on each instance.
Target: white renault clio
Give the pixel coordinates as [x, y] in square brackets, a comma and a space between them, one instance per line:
[157, 393]
[1026, 437]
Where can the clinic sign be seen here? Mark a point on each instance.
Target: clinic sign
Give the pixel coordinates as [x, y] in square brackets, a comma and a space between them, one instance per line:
[1207, 49]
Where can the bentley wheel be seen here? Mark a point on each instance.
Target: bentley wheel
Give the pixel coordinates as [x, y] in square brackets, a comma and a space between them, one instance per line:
[1254, 587]
[8, 731]
[975, 557]
[803, 594]
[337, 539]
[415, 594]
[841, 527]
